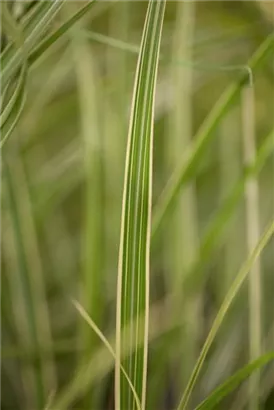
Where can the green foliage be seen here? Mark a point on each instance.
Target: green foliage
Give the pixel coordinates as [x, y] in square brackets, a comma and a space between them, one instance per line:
[195, 154]
[134, 258]
[229, 385]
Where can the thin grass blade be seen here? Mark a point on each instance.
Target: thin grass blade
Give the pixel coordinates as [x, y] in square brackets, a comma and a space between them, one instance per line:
[52, 38]
[233, 382]
[206, 132]
[30, 282]
[9, 24]
[181, 238]
[98, 332]
[12, 58]
[212, 235]
[101, 363]
[252, 235]
[92, 290]
[236, 285]
[12, 111]
[133, 271]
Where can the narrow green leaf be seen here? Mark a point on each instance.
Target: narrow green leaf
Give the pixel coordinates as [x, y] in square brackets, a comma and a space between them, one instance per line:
[100, 363]
[11, 60]
[232, 382]
[28, 279]
[14, 94]
[92, 290]
[206, 132]
[12, 111]
[7, 110]
[11, 57]
[252, 235]
[230, 168]
[217, 225]
[236, 285]
[9, 24]
[133, 272]
[52, 38]
[181, 236]
[98, 332]
[180, 62]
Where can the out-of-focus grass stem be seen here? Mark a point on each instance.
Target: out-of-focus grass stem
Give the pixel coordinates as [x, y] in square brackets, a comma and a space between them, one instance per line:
[30, 282]
[92, 292]
[182, 239]
[252, 234]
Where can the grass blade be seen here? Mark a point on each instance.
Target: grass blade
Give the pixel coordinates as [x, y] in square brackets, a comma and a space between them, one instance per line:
[20, 83]
[216, 226]
[134, 49]
[9, 24]
[181, 239]
[98, 332]
[52, 38]
[10, 63]
[11, 58]
[252, 234]
[101, 364]
[14, 107]
[204, 135]
[237, 283]
[133, 272]
[231, 169]
[29, 278]
[92, 291]
[232, 382]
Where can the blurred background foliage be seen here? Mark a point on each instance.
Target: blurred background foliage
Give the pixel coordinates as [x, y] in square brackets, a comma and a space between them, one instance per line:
[62, 180]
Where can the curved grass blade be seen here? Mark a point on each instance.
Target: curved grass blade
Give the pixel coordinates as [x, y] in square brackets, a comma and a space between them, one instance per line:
[237, 283]
[232, 382]
[44, 13]
[6, 112]
[52, 38]
[133, 271]
[215, 228]
[180, 62]
[9, 24]
[98, 332]
[11, 60]
[12, 111]
[241, 398]
[203, 40]
[10, 114]
[100, 364]
[205, 134]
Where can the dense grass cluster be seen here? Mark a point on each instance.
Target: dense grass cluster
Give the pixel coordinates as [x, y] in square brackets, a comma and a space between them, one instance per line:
[137, 144]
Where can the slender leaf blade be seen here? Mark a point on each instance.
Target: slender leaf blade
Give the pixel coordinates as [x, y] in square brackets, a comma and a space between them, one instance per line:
[204, 135]
[133, 272]
[12, 111]
[232, 382]
[30, 279]
[236, 285]
[92, 289]
[52, 38]
[252, 234]
[216, 227]
[11, 63]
